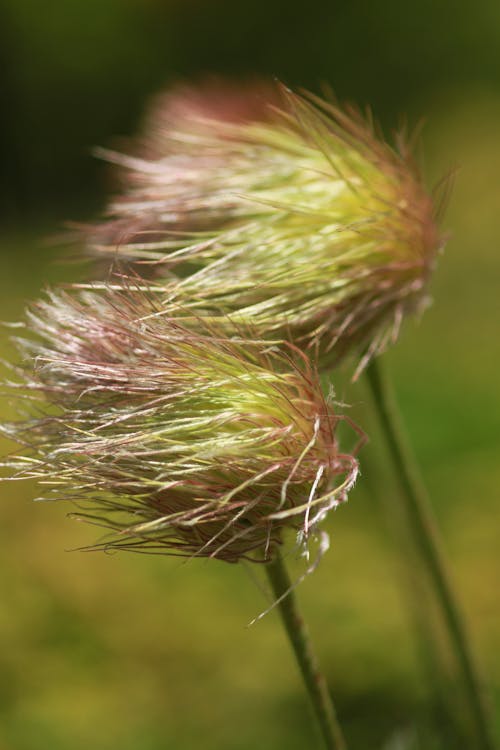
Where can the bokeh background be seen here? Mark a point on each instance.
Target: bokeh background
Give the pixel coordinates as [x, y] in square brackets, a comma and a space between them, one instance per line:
[144, 653]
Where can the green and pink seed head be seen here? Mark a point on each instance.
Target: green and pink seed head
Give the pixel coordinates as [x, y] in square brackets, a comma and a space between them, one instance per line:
[298, 219]
[176, 441]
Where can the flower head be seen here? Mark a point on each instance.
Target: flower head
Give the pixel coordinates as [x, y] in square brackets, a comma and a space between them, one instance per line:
[303, 223]
[177, 441]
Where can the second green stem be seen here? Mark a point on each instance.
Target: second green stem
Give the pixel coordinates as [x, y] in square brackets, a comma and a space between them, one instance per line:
[421, 522]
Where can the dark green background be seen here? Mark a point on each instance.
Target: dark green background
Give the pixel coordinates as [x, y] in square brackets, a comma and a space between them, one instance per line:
[138, 653]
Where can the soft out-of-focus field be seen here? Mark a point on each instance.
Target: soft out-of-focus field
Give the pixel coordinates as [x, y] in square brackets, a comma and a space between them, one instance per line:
[146, 653]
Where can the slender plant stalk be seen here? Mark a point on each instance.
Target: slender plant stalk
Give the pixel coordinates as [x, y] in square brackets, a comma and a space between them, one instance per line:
[423, 527]
[300, 641]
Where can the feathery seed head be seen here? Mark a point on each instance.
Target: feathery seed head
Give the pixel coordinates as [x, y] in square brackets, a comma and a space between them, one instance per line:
[178, 442]
[303, 223]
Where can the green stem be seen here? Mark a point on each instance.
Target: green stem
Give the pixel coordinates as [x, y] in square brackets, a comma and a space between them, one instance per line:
[301, 644]
[423, 527]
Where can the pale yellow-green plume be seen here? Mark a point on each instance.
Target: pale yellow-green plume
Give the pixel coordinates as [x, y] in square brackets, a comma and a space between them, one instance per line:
[177, 442]
[295, 218]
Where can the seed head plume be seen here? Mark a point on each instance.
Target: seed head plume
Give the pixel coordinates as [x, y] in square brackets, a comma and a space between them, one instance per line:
[178, 441]
[297, 219]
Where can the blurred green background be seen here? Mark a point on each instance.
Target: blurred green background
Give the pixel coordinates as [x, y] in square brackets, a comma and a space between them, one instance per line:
[144, 653]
